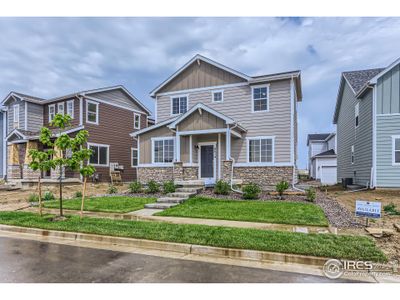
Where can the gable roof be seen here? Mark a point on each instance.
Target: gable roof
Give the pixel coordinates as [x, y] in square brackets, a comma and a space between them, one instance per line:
[182, 117]
[42, 101]
[155, 126]
[330, 152]
[249, 79]
[317, 137]
[357, 79]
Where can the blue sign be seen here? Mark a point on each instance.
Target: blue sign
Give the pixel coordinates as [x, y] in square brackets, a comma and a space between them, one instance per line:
[368, 209]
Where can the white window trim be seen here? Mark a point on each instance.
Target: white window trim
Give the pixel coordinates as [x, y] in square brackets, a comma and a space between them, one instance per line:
[152, 150]
[73, 107]
[97, 112]
[252, 98]
[54, 107]
[179, 96]
[16, 112]
[134, 120]
[352, 155]
[357, 115]
[248, 139]
[394, 163]
[108, 154]
[61, 104]
[217, 91]
[133, 166]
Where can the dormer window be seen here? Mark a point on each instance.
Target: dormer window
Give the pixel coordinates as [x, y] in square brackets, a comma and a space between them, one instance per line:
[179, 105]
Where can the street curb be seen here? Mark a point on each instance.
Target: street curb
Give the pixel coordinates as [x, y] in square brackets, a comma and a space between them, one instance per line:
[242, 254]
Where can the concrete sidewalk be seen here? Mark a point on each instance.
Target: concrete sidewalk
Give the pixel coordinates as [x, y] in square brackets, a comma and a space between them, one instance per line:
[137, 216]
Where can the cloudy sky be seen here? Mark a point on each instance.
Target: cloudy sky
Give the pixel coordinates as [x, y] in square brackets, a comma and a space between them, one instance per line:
[48, 57]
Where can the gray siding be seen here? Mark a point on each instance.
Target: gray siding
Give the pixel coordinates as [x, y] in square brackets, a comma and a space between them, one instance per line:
[388, 92]
[361, 138]
[11, 115]
[237, 105]
[117, 97]
[35, 117]
[387, 175]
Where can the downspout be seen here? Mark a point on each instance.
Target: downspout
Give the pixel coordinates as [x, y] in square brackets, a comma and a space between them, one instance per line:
[233, 162]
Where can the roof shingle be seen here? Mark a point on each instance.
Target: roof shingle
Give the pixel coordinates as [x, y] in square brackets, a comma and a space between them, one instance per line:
[357, 79]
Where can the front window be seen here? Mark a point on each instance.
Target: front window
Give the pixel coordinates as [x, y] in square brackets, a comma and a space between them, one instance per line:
[261, 150]
[52, 112]
[352, 154]
[260, 98]
[218, 96]
[163, 151]
[92, 112]
[134, 157]
[100, 154]
[396, 150]
[70, 108]
[136, 121]
[179, 105]
[357, 114]
[60, 108]
[16, 115]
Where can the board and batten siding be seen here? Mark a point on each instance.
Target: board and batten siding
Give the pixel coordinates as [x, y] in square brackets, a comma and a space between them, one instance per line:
[237, 104]
[361, 138]
[388, 92]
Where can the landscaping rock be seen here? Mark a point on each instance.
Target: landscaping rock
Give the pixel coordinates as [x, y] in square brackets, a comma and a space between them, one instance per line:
[397, 226]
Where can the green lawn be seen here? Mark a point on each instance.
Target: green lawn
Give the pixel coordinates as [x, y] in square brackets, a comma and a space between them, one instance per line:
[325, 245]
[117, 204]
[294, 213]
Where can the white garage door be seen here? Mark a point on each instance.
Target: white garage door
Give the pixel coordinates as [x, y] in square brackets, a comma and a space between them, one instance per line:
[328, 175]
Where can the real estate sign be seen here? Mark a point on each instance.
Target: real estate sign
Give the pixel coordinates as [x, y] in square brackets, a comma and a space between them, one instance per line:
[368, 209]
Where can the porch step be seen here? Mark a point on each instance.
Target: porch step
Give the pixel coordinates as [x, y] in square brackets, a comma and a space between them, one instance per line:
[188, 189]
[160, 205]
[190, 183]
[182, 195]
[170, 200]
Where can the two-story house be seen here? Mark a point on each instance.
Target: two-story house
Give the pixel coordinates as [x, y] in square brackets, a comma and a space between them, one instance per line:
[322, 161]
[108, 114]
[213, 122]
[368, 127]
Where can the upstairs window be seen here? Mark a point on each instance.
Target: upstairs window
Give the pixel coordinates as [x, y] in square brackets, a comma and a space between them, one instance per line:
[52, 112]
[134, 157]
[396, 150]
[92, 112]
[60, 108]
[352, 154]
[16, 116]
[163, 150]
[260, 98]
[260, 150]
[218, 96]
[179, 105]
[100, 154]
[136, 121]
[70, 108]
[357, 114]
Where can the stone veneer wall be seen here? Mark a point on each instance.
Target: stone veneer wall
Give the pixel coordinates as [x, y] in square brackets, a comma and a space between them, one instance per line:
[159, 174]
[190, 173]
[28, 173]
[14, 172]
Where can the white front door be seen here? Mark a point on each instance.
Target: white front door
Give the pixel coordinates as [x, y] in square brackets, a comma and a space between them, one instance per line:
[207, 168]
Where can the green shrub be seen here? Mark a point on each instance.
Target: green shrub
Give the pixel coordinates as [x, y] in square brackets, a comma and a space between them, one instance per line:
[221, 188]
[78, 194]
[310, 194]
[153, 187]
[33, 198]
[169, 187]
[391, 209]
[48, 196]
[281, 187]
[135, 187]
[112, 189]
[251, 191]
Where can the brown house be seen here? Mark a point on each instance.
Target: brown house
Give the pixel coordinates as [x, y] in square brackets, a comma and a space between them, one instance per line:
[108, 114]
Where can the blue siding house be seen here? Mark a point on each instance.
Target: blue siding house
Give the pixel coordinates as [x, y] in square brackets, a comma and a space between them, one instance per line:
[367, 116]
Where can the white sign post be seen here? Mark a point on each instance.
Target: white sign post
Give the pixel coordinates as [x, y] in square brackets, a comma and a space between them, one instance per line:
[368, 209]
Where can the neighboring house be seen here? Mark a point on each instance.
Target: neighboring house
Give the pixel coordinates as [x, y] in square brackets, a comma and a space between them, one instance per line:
[109, 114]
[2, 144]
[322, 162]
[368, 127]
[212, 121]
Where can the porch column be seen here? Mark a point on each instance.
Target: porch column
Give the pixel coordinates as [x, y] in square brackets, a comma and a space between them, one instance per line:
[228, 143]
[13, 168]
[28, 173]
[190, 149]
[178, 147]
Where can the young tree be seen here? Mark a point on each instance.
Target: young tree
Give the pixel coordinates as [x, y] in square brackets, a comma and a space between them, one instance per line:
[85, 172]
[62, 144]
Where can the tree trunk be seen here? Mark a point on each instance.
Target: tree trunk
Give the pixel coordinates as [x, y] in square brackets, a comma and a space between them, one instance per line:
[83, 195]
[60, 183]
[40, 196]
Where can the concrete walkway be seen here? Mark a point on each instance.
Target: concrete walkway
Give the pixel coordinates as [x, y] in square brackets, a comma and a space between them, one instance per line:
[139, 215]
